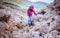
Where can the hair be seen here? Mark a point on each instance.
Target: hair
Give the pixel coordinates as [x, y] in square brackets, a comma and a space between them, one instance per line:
[32, 6]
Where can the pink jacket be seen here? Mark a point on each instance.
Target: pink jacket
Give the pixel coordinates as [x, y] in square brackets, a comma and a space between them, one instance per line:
[30, 11]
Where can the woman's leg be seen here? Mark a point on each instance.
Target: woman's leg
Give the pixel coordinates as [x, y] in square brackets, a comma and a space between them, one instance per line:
[30, 21]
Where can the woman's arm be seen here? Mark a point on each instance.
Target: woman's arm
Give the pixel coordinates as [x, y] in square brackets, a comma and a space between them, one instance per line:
[34, 13]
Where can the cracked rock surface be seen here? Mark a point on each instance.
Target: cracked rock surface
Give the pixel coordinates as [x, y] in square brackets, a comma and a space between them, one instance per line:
[13, 23]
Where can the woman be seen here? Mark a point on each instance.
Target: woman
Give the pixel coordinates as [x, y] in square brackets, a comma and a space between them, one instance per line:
[29, 13]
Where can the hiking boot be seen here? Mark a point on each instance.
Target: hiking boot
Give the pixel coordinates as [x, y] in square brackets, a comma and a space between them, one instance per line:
[31, 23]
